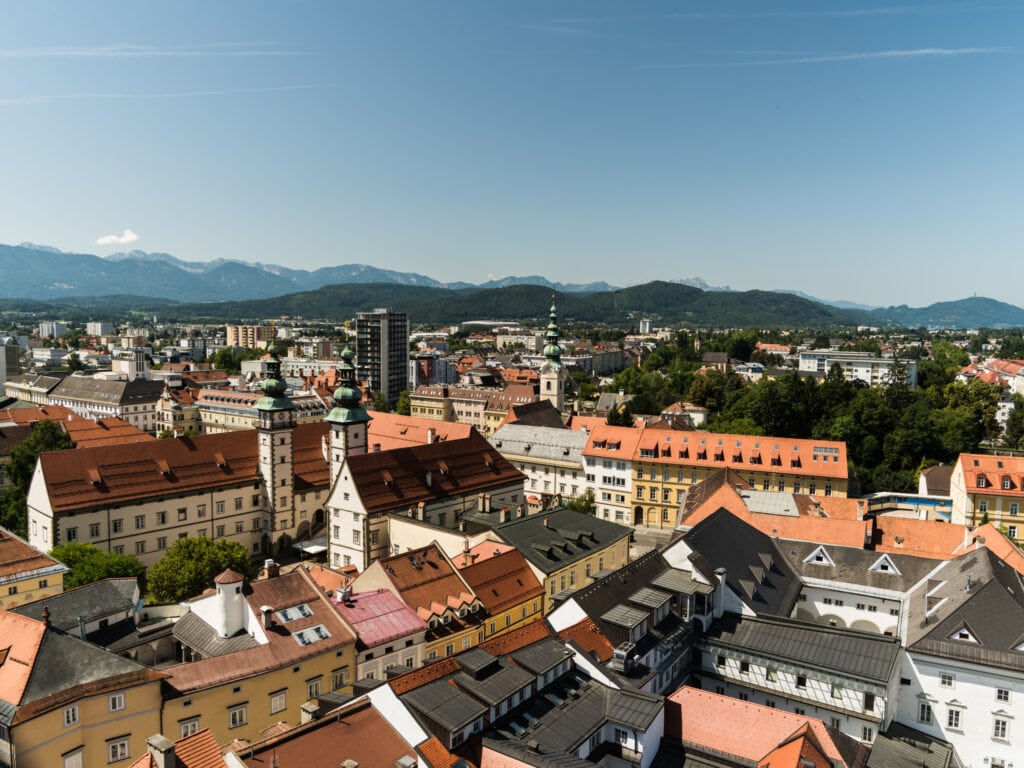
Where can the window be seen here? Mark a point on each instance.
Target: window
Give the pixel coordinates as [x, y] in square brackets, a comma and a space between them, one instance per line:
[313, 687]
[983, 506]
[1002, 694]
[1000, 727]
[982, 481]
[946, 680]
[116, 525]
[117, 750]
[238, 502]
[182, 515]
[161, 518]
[801, 681]
[236, 716]
[744, 667]
[140, 522]
[70, 715]
[867, 734]
[140, 547]
[837, 691]
[869, 702]
[161, 542]
[116, 702]
[1014, 507]
[771, 675]
[188, 727]
[94, 530]
[924, 713]
[219, 508]
[71, 534]
[356, 540]
[220, 531]
[953, 719]
[339, 679]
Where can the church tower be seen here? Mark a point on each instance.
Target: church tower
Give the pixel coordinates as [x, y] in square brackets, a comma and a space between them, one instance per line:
[348, 419]
[275, 426]
[552, 372]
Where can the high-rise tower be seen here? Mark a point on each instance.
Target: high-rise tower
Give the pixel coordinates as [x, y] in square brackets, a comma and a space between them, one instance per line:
[382, 352]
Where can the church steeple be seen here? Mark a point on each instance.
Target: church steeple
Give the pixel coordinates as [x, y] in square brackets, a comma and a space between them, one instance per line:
[275, 424]
[552, 372]
[348, 419]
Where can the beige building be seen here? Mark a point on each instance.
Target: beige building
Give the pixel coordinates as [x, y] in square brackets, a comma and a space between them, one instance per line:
[26, 574]
[67, 703]
[259, 654]
[485, 408]
[989, 489]
[250, 336]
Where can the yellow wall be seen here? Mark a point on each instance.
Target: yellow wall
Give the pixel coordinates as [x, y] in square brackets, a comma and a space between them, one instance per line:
[211, 706]
[575, 576]
[496, 625]
[29, 589]
[469, 637]
[43, 741]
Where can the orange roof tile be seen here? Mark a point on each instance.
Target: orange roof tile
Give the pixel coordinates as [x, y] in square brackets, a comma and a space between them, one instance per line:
[20, 638]
[997, 544]
[436, 755]
[428, 673]
[518, 638]
[18, 557]
[392, 430]
[923, 538]
[427, 581]
[590, 639]
[1000, 475]
[199, 750]
[755, 731]
[482, 551]
[503, 581]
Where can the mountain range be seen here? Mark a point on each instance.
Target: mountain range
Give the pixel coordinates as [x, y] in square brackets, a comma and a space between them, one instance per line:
[161, 282]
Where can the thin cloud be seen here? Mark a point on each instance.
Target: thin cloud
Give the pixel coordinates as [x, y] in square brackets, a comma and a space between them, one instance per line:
[20, 101]
[836, 13]
[123, 239]
[824, 58]
[126, 50]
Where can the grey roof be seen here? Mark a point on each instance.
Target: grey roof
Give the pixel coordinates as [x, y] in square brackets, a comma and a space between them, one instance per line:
[937, 479]
[540, 443]
[566, 538]
[567, 718]
[802, 646]
[991, 609]
[539, 414]
[195, 633]
[903, 747]
[650, 598]
[101, 599]
[108, 391]
[447, 705]
[475, 660]
[681, 582]
[755, 568]
[522, 752]
[853, 566]
[541, 656]
[64, 661]
[498, 686]
[624, 616]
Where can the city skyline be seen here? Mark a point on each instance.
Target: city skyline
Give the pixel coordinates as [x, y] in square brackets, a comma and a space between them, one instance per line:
[857, 151]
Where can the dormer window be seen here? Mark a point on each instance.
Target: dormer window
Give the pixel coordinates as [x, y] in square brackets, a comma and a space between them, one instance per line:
[885, 565]
[982, 482]
[1007, 484]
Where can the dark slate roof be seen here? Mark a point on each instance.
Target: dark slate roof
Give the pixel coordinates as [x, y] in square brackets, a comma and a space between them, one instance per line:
[496, 687]
[445, 704]
[755, 568]
[565, 718]
[903, 747]
[681, 582]
[853, 566]
[991, 610]
[541, 656]
[64, 661]
[560, 537]
[111, 391]
[195, 633]
[101, 599]
[803, 645]
[539, 414]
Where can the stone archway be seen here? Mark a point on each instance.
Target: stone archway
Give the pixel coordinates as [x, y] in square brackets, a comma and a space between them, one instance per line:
[865, 626]
[832, 620]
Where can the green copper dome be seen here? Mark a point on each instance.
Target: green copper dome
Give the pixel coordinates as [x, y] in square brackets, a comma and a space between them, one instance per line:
[348, 408]
[552, 351]
[274, 388]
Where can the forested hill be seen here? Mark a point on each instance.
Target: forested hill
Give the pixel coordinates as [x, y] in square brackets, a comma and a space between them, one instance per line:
[662, 302]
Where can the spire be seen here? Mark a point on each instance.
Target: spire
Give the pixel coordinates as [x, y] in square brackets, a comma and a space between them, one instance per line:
[274, 388]
[348, 398]
[552, 351]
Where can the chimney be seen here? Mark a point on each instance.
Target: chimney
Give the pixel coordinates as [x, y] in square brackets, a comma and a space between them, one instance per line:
[310, 711]
[268, 616]
[46, 615]
[719, 607]
[273, 570]
[81, 627]
[431, 435]
[546, 523]
[161, 750]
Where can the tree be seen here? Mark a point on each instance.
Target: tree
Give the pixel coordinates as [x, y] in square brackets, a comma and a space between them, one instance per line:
[404, 405]
[191, 565]
[582, 503]
[89, 564]
[45, 436]
[380, 403]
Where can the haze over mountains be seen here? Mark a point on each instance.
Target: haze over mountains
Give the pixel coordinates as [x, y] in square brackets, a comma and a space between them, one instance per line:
[45, 274]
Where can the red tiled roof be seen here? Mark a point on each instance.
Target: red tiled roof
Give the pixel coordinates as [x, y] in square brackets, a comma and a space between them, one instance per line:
[17, 557]
[117, 474]
[428, 673]
[481, 552]
[379, 617]
[427, 581]
[396, 479]
[503, 581]
[754, 731]
[200, 750]
[282, 591]
[20, 638]
[357, 732]
[996, 471]
[436, 755]
[518, 638]
[392, 430]
[590, 639]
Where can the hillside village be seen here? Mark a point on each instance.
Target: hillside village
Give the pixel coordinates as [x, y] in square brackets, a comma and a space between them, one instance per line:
[473, 547]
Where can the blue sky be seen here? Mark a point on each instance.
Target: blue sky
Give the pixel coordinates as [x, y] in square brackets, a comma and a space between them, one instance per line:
[867, 151]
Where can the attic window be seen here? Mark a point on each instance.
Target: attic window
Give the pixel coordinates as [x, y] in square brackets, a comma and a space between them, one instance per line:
[219, 458]
[443, 466]
[599, 443]
[388, 479]
[164, 467]
[982, 481]
[885, 565]
[94, 477]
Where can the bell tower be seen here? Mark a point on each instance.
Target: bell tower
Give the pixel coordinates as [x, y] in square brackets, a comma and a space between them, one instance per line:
[552, 372]
[348, 419]
[275, 427]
